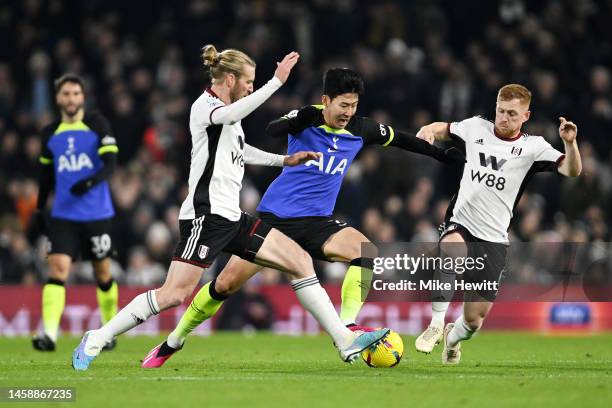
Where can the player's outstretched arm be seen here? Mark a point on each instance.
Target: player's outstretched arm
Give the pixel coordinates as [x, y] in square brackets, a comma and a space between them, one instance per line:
[258, 157]
[376, 133]
[283, 68]
[298, 158]
[232, 113]
[408, 142]
[434, 131]
[253, 155]
[571, 165]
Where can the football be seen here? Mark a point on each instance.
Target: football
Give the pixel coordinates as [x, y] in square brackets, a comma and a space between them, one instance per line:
[386, 354]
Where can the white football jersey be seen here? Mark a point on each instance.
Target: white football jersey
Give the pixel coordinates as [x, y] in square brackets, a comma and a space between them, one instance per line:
[494, 177]
[217, 163]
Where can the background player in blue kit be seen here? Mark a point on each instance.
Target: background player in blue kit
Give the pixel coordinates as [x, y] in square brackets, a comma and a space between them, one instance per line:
[78, 155]
[300, 202]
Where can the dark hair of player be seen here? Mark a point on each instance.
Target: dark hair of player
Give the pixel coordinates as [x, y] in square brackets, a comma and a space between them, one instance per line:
[72, 78]
[338, 81]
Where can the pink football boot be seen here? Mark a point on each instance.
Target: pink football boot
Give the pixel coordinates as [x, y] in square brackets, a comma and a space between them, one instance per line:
[158, 356]
[355, 327]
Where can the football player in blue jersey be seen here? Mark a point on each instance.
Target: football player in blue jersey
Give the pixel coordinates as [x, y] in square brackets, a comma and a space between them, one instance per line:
[78, 155]
[212, 222]
[301, 200]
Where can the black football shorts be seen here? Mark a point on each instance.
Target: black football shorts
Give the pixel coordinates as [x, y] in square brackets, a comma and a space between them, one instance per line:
[203, 238]
[309, 232]
[91, 240]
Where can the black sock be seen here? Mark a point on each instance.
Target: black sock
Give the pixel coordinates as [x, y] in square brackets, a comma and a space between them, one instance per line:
[104, 287]
[52, 281]
[165, 350]
[213, 292]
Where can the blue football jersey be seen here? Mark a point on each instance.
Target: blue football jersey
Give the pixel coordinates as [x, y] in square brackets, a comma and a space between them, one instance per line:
[311, 189]
[74, 150]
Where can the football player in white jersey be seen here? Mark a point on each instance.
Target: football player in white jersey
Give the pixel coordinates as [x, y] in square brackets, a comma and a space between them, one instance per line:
[211, 220]
[500, 160]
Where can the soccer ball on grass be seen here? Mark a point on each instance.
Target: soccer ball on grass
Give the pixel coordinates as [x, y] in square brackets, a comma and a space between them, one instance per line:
[387, 353]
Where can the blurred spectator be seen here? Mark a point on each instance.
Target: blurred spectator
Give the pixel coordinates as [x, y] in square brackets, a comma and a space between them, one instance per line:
[246, 310]
[142, 271]
[40, 65]
[158, 240]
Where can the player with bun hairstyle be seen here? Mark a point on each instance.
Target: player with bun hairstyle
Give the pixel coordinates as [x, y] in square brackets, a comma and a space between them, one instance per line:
[210, 218]
[300, 201]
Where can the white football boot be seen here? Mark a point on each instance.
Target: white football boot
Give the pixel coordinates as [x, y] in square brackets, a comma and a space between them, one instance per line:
[450, 355]
[429, 339]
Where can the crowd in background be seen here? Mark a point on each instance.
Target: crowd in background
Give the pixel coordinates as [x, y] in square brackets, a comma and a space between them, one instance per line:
[422, 61]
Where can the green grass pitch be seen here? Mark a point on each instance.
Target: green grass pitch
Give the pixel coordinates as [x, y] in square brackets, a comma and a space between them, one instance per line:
[231, 370]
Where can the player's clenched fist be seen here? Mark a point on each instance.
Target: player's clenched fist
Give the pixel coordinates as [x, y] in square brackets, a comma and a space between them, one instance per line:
[426, 133]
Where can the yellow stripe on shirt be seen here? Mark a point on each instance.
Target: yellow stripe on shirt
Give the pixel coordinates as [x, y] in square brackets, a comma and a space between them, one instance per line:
[391, 136]
[108, 149]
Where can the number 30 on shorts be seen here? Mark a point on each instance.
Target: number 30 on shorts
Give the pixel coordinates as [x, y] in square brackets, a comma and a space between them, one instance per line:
[101, 245]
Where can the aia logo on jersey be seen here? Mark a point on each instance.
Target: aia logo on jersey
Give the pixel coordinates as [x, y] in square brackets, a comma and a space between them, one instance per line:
[73, 163]
[496, 164]
[516, 150]
[328, 165]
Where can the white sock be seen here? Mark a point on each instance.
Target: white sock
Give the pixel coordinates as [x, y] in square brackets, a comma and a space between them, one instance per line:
[438, 312]
[174, 340]
[461, 331]
[314, 298]
[137, 311]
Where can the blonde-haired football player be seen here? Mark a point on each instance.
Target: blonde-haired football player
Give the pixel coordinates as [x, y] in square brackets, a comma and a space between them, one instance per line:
[211, 220]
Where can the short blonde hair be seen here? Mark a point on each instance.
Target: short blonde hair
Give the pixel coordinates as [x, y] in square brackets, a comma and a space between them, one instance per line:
[514, 91]
[229, 61]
